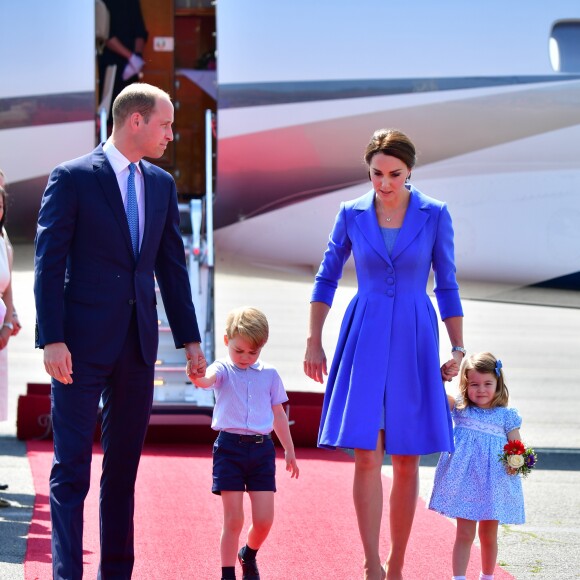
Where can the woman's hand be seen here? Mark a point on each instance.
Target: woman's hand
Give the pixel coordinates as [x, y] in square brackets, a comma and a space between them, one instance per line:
[458, 357]
[315, 362]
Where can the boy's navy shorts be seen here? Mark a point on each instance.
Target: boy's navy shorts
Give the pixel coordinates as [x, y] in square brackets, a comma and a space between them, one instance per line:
[243, 463]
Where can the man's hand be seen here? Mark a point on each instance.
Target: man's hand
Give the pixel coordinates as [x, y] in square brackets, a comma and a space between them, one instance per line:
[58, 362]
[195, 372]
[196, 363]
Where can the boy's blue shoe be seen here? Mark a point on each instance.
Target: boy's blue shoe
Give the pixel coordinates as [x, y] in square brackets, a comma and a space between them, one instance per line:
[249, 568]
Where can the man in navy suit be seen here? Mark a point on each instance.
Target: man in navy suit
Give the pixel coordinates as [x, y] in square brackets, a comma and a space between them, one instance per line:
[97, 319]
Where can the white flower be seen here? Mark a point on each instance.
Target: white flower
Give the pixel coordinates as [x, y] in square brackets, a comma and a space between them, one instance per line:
[516, 461]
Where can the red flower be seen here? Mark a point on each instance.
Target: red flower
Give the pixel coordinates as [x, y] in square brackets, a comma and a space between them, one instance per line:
[514, 447]
[518, 459]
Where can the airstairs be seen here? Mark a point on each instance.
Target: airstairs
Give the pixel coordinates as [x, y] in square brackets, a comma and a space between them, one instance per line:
[176, 400]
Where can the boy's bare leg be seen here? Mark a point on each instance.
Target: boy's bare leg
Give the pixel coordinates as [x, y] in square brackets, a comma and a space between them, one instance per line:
[262, 517]
[233, 504]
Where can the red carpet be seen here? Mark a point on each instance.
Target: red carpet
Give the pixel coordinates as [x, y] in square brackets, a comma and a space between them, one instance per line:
[178, 521]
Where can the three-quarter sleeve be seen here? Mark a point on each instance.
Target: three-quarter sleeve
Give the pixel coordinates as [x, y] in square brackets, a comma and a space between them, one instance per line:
[336, 254]
[446, 288]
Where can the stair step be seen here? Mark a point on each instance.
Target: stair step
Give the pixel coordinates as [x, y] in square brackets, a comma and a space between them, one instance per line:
[170, 369]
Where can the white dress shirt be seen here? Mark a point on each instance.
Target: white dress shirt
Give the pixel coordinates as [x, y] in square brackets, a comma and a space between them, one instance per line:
[120, 165]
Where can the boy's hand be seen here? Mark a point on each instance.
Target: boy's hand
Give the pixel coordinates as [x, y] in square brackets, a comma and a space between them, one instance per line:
[449, 370]
[291, 465]
[198, 365]
[196, 372]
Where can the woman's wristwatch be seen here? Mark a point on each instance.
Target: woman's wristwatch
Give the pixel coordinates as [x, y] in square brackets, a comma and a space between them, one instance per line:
[9, 325]
[458, 349]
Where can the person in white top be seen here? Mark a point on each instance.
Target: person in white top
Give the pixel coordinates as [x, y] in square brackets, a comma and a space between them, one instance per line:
[14, 323]
[6, 317]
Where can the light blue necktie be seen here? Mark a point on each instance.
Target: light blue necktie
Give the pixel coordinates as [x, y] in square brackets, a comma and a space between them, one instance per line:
[133, 210]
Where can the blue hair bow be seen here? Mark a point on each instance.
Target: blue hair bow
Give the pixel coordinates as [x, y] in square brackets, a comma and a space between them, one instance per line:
[498, 367]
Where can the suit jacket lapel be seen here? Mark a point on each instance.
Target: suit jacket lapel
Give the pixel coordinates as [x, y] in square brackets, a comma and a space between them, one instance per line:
[415, 219]
[150, 198]
[368, 224]
[108, 181]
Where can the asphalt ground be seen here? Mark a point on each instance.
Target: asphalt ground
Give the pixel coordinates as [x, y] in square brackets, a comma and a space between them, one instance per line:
[536, 335]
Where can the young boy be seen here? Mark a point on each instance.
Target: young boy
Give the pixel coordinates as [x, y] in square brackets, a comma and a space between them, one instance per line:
[249, 396]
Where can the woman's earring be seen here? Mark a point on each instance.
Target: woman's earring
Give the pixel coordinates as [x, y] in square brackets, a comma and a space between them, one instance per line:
[408, 178]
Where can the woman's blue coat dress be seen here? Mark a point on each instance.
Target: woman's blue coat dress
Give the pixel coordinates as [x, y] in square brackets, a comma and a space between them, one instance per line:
[386, 366]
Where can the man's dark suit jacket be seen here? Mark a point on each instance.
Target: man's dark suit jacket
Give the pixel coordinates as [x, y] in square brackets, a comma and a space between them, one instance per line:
[87, 282]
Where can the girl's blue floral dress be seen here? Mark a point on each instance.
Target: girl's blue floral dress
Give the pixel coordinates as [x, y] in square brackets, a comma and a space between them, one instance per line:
[471, 483]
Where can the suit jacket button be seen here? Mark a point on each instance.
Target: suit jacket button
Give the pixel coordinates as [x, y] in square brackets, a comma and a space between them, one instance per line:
[131, 302]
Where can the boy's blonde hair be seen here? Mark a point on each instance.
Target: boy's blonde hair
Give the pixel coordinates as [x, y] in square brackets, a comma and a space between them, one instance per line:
[249, 323]
[483, 362]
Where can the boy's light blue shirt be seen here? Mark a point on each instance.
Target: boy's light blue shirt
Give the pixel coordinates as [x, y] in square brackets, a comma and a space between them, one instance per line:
[244, 398]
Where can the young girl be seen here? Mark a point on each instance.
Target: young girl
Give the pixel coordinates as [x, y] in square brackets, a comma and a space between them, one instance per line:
[471, 484]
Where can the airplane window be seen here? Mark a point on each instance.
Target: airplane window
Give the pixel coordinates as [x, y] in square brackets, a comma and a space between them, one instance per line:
[565, 47]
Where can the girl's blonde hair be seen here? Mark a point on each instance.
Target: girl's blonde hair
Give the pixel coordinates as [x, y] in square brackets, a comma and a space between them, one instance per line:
[249, 323]
[483, 362]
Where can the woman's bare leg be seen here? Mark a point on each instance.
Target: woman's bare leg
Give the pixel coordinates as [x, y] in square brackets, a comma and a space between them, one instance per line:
[368, 503]
[403, 502]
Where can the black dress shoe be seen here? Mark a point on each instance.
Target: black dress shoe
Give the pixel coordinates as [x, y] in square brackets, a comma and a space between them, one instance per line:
[249, 568]
[3, 486]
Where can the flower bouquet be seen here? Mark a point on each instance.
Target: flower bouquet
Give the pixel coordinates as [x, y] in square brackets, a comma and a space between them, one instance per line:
[517, 458]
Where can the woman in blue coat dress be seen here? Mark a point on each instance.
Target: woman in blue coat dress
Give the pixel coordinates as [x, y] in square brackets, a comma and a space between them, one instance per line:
[384, 391]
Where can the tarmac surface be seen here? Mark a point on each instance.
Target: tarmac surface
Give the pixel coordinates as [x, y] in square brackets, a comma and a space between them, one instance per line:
[536, 334]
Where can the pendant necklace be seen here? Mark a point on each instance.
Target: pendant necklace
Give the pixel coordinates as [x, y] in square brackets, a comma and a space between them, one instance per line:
[381, 210]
